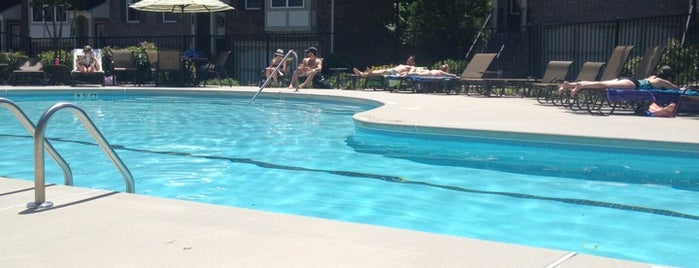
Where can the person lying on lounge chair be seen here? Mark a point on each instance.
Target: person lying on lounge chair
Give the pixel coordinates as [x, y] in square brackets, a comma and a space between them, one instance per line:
[659, 81]
[87, 63]
[443, 71]
[397, 70]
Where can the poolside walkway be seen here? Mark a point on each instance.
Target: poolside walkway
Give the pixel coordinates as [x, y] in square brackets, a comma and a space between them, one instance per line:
[95, 228]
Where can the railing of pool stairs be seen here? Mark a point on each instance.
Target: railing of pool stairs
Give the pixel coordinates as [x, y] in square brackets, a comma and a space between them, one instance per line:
[41, 144]
[276, 69]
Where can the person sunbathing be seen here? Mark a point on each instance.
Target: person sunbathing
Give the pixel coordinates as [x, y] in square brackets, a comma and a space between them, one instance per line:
[659, 81]
[88, 62]
[397, 70]
[443, 71]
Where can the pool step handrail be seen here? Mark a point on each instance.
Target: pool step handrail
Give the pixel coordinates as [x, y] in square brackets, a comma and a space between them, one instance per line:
[39, 175]
[27, 123]
[276, 69]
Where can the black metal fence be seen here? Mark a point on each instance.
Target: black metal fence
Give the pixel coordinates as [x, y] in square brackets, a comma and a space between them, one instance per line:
[250, 53]
[522, 54]
[595, 41]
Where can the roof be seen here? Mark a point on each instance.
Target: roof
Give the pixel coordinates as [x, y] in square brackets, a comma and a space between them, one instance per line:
[7, 4]
[79, 5]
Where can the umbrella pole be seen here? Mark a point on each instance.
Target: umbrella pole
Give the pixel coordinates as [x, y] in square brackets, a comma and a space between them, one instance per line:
[185, 69]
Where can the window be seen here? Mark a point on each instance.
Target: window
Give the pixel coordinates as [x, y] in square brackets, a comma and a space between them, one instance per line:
[61, 13]
[48, 13]
[169, 17]
[132, 15]
[253, 4]
[287, 3]
[515, 7]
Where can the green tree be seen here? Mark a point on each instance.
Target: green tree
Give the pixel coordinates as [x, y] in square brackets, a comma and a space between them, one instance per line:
[441, 29]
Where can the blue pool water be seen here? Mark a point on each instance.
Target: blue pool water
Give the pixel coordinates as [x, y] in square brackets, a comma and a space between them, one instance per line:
[307, 157]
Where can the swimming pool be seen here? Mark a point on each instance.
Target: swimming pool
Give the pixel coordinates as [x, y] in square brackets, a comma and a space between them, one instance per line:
[307, 157]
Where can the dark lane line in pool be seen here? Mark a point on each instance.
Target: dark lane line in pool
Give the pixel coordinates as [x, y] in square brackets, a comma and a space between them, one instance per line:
[396, 179]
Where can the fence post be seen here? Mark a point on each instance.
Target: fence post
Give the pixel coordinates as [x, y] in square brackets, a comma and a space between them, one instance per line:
[617, 29]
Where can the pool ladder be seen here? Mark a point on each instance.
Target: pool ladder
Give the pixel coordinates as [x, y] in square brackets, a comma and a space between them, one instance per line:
[276, 69]
[41, 144]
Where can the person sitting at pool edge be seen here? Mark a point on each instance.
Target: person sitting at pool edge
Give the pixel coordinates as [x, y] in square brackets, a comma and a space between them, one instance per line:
[409, 66]
[309, 67]
[88, 62]
[658, 81]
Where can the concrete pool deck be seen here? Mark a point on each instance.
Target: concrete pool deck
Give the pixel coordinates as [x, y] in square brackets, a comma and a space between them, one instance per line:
[96, 228]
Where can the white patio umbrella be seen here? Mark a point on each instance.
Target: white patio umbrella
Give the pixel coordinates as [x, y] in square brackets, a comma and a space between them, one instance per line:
[181, 6]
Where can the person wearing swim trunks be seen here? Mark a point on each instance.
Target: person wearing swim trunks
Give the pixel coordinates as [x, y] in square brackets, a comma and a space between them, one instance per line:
[643, 84]
[397, 70]
[659, 81]
[309, 67]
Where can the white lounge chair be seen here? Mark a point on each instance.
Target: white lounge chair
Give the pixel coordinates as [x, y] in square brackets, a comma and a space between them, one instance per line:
[89, 78]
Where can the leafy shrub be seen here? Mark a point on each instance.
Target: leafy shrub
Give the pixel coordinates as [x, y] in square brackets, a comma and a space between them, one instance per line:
[107, 60]
[141, 60]
[225, 82]
[455, 66]
[11, 59]
[683, 60]
[64, 56]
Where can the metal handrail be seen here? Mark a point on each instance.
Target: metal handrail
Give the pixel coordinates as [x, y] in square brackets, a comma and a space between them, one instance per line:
[39, 175]
[24, 120]
[276, 69]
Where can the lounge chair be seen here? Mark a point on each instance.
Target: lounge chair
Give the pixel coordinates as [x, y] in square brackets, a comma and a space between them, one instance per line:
[168, 63]
[476, 68]
[612, 70]
[3, 66]
[283, 76]
[616, 63]
[29, 71]
[217, 69]
[617, 99]
[153, 58]
[428, 84]
[546, 92]
[398, 82]
[373, 82]
[555, 71]
[688, 102]
[648, 63]
[123, 61]
[319, 80]
[89, 78]
[637, 101]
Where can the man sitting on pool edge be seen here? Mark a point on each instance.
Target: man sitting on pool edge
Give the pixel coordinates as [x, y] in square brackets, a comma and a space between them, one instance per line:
[309, 67]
